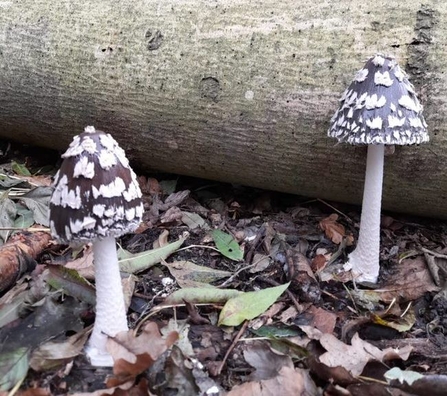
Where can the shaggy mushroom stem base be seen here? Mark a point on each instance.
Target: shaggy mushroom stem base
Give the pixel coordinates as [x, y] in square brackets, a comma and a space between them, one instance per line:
[110, 311]
[364, 260]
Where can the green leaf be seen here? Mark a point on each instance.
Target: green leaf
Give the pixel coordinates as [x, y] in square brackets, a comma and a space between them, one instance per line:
[133, 263]
[249, 305]
[38, 200]
[198, 295]
[71, 283]
[8, 182]
[168, 186]
[8, 212]
[189, 274]
[24, 218]
[10, 311]
[227, 245]
[13, 367]
[20, 169]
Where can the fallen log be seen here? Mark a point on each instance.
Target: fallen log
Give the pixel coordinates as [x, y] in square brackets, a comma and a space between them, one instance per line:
[18, 254]
[234, 90]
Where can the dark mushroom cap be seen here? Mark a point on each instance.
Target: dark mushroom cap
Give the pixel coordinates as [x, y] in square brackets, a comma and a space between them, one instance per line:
[96, 193]
[379, 107]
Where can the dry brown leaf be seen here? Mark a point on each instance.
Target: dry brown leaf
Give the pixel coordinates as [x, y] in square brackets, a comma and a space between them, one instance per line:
[335, 231]
[322, 320]
[289, 381]
[114, 391]
[162, 240]
[410, 282]
[353, 357]
[319, 262]
[52, 354]
[135, 353]
[84, 264]
[172, 215]
[35, 392]
[267, 362]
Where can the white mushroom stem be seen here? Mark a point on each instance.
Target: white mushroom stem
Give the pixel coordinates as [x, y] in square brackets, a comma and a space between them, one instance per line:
[110, 311]
[364, 260]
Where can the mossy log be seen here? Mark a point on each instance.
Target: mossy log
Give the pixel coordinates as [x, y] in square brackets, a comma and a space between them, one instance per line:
[233, 90]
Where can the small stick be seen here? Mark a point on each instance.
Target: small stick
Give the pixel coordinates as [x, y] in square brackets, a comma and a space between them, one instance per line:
[232, 346]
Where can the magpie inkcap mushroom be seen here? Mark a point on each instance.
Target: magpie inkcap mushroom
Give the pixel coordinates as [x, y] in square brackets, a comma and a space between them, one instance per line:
[380, 107]
[96, 199]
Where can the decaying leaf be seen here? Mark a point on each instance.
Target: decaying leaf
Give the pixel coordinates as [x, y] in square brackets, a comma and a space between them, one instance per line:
[84, 264]
[416, 383]
[335, 231]
[38, 200]
[194, 220]
[188, 274]
[134, 353]
[410, 282]
[8, 213]
[56, 353]
[267, 362]
[354, 357]
[249, 305]
[13, 367]
[203, 295]
[70, 282]
[401, 324]
[289, 381]
[133, 263]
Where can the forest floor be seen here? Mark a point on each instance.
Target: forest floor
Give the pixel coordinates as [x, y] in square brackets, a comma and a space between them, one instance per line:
[231, 291]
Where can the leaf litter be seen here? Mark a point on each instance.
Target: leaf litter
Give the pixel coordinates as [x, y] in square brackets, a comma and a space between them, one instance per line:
[236, 291]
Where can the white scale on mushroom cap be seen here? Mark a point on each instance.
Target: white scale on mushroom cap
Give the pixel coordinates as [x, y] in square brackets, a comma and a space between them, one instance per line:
[379, 107]
[97, 198]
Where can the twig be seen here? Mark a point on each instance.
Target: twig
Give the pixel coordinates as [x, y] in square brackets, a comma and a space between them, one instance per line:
[231, 278]
[338, 211]
[198, 246]
[232, 346]
[297, 305]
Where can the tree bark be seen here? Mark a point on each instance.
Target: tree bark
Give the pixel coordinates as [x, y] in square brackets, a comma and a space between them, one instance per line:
[233, 90]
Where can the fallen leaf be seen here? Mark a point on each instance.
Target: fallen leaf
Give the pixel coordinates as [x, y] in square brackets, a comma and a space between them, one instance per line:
[8, 212]
[194, 220]
[261, 262]
[52, 354]
[133, 263]
[13, 367]
[68, 280]
[289, 381]
[38, 200]
[266, 361]
[352, 357]
[172, 215]
[202, 295]
[416, 383]
[187, 273]
[322, 319]
[401, 324]
[227, 245]
[20, 169]
[249, 305]
[84, 264]
[10, 311]
[134, 353]
[335, 231]
[410, 282]
[113, 391]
